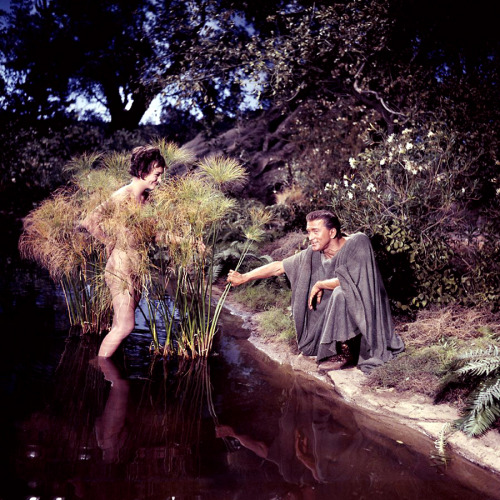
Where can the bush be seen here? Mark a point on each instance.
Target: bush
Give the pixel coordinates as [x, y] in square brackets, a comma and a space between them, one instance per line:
[413, 194]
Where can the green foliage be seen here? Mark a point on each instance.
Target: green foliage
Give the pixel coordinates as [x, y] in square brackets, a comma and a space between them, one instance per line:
[409, 192]
[260, 296]
[479, 368]
[482, 368]
[274, 323]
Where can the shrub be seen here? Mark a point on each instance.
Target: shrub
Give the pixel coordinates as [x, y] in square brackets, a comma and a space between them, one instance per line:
[413, 193]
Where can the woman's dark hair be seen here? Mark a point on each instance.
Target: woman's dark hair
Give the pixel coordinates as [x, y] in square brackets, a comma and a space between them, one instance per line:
[331, 221]
[143, 159]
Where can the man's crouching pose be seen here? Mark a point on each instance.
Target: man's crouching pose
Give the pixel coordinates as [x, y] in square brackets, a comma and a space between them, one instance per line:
[338, 296]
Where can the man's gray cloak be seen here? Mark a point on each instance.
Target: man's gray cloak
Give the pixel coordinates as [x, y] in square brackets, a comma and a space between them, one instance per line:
[358, 306]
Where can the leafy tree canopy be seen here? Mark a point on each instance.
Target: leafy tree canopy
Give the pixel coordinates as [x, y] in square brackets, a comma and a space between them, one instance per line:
[119, 53]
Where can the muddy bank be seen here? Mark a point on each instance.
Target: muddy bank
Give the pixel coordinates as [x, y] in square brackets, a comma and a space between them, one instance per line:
[385, 405]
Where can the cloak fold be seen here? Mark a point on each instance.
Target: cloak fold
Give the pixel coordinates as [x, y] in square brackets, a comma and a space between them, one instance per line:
[359, 306]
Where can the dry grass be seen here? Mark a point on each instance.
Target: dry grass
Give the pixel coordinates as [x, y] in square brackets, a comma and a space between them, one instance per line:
[454, 322]
[49, 236]
[432, 341]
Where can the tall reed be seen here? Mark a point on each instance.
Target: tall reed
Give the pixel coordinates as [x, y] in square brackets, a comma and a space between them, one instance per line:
[49, 238]
[170, 241]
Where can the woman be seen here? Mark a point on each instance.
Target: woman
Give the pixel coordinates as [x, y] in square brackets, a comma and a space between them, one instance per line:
[146, 167]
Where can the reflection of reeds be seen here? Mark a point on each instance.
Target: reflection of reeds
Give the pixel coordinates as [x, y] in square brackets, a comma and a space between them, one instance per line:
[178, 408]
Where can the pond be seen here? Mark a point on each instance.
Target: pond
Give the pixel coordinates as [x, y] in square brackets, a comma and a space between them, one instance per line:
[239, 426]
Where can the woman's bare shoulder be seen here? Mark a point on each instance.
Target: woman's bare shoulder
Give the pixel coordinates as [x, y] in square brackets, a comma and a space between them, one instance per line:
[124, 193]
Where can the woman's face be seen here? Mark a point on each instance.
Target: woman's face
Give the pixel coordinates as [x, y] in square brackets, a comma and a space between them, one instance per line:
[153, 178]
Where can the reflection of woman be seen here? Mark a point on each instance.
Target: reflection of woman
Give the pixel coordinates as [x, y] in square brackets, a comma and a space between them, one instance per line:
[110, 425]
[146, 167]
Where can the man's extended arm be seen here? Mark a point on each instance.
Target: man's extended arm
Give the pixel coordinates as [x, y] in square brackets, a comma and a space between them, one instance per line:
[266, 271]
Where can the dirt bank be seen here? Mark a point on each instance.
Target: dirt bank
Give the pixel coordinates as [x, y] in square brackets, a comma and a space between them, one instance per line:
[415, 411]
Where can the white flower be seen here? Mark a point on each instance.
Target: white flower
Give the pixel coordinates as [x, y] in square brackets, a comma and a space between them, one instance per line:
[406, 131]
[382, 161]
[350, 195]
[409, 145]
[353, 186]
[463, 190]
[431, 133]
[370, 187]
[346, 183]
[401, 150]
[13, 179]
[352, 162]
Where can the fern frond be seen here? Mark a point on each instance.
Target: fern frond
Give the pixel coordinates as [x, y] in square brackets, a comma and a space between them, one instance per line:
[480, 368]
[483, 408]
[216, 270]
[476, 354]
[440, 443]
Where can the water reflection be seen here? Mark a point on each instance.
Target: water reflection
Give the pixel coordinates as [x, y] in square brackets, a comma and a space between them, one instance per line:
[236, 427]
[110, 425]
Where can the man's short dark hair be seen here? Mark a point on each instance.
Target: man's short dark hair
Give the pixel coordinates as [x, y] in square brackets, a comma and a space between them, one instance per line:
[143, 159]
[331, 221]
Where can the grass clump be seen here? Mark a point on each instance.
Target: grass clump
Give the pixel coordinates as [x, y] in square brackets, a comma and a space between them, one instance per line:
[415, 370]
[260, 296]
[433, 341]
[277, 324]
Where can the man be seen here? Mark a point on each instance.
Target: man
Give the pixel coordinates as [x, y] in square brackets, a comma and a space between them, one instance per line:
[337, 295]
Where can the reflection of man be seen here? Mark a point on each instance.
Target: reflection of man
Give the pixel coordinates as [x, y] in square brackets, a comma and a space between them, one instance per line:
[337, 295]
[314, 441]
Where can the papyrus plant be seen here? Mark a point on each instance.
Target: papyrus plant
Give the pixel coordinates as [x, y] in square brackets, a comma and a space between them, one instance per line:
[191, 211]
[170, 240]
[50, 237]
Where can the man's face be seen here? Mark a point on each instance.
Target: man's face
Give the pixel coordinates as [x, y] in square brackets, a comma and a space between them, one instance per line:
[319, 235]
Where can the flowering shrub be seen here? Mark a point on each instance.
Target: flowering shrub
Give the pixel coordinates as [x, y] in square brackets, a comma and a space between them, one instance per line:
[412, 193]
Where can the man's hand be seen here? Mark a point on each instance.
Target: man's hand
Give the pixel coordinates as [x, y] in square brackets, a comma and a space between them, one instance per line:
[316, 291]
[235, 278]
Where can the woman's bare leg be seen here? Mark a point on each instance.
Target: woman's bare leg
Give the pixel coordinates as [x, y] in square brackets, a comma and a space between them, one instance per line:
[124, 305]
[124, 299]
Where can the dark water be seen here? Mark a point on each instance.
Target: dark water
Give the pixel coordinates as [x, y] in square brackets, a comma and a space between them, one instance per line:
[237, 427]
